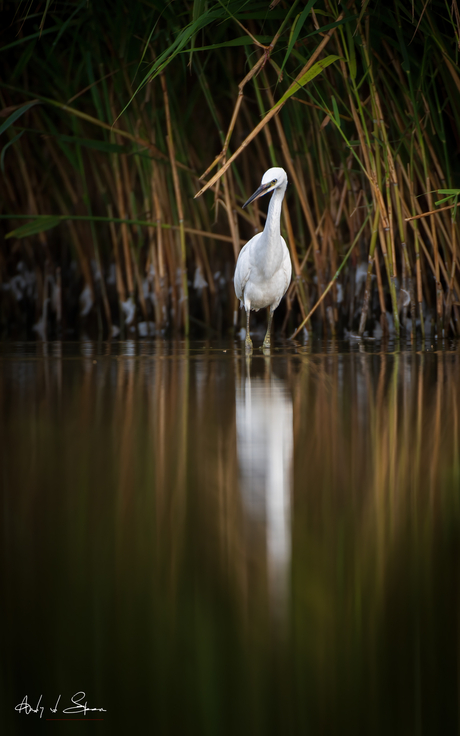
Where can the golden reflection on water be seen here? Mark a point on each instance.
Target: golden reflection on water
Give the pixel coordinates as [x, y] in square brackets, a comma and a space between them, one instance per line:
[271, 541]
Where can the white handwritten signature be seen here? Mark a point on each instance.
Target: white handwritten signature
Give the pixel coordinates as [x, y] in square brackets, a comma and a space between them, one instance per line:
[78, 706]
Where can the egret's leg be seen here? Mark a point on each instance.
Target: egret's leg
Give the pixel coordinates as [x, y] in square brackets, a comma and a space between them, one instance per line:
[266, 343]
[248, 336]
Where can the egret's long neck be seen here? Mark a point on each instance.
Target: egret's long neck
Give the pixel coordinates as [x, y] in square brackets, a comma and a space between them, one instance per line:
[272, 224]
[269, 244]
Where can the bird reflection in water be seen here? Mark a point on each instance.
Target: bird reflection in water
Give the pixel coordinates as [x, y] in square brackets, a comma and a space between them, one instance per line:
[265, 449]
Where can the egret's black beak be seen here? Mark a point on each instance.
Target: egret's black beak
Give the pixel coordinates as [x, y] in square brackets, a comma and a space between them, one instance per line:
[263, 189]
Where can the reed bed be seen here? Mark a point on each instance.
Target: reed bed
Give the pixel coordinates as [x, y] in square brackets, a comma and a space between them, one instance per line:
[114, 117]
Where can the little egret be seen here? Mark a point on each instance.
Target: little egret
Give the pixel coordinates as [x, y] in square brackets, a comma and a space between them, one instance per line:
[263, 269]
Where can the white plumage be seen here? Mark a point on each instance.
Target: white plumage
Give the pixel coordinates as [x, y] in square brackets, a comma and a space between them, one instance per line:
[263, 269]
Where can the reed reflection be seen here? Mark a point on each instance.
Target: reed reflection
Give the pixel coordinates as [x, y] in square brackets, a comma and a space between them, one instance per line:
[152, 527]
[265, 447]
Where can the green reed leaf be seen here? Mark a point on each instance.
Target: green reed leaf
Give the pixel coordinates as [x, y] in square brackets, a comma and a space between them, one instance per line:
[308, 76]
[17, 114]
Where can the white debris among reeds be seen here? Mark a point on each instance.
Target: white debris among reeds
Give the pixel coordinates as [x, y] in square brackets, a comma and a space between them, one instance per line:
[339, 293]
[23, 284]
[111, 279]
[199, 282]
[220, 279]
[129, 310]
[40, 326]
[377, 332]
[96, 270]
[146, 329]
[86, 301]
[360, 275]
[404, 298]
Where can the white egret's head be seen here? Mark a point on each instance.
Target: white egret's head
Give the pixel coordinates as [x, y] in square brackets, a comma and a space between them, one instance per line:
[274, 178]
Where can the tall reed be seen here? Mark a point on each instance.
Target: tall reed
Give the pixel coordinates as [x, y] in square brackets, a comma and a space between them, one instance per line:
[112, 112]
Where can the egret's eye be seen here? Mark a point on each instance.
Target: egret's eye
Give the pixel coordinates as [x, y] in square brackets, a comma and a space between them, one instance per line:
[274, 181]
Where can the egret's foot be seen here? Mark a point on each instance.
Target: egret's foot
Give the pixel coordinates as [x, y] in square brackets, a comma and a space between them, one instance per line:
[248, 344]
[266, 343]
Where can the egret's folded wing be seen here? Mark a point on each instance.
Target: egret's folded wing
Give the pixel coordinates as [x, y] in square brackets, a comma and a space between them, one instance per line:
[287, 266]
[242, 271]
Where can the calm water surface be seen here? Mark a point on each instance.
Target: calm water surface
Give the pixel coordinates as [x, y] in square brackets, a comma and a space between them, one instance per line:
[205, 544]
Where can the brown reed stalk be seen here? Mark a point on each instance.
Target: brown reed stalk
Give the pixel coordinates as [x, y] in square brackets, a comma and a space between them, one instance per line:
[180, 211]
[434, 239]
[121, 206]
[118, 269]
[370, 267]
